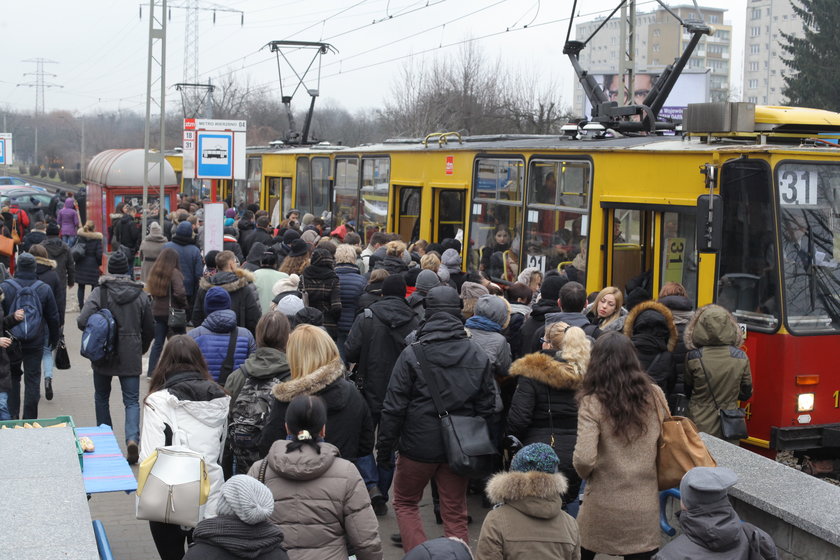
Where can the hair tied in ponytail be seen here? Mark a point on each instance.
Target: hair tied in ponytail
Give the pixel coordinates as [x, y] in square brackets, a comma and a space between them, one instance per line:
[304, 435]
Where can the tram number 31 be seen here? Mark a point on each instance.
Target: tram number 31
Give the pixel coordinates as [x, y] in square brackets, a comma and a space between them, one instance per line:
[798, 188]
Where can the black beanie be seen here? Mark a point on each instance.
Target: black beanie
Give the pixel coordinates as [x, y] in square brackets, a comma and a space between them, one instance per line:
[117, 263]
[550, 287]
[25, 262]
[394, 285]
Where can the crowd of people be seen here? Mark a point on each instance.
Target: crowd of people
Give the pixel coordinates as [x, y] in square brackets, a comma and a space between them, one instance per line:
[291, 361]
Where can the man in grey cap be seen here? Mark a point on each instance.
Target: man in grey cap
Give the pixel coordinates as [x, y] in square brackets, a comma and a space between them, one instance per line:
[711, 528]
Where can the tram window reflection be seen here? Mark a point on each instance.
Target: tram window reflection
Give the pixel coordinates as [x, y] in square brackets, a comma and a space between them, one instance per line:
[376, 173]
[679, 255]
[346, 206]
[320, 186]
[303, 200]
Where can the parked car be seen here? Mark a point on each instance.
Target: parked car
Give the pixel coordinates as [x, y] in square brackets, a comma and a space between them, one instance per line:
[14, 181]
[25, 197]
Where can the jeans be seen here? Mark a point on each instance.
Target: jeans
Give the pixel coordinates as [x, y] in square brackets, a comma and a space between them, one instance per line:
[4, 407]
[69, 239]
[47, 358]
[373, 475]
[31, 374]
[130, 386]
[410, 481]
[161, 332]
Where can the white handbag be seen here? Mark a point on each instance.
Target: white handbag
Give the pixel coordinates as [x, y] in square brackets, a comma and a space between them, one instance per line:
[173, 486]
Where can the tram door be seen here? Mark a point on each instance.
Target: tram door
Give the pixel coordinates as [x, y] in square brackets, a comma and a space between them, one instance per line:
[279, 198]
[631, 246]
[408, 217]
[448, 221]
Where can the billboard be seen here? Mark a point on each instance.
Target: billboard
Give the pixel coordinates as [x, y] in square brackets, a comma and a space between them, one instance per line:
[691, 87]
[6, 148]
[214, 149]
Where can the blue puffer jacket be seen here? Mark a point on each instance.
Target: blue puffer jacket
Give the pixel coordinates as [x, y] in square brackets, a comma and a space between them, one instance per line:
[189, 259]
[213, 337]
[351, 285]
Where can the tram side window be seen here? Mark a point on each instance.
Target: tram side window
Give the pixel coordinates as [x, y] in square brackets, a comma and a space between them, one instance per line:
[679, 257]
[346, 193]
[254, 181]
[303, 200]
[320, 185]
[496, 218]
[809, 199]
[747, 281]
[558, 214]
[376, 175]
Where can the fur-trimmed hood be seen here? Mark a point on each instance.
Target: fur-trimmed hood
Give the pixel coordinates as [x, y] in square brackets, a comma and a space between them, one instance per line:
[89, 234]
[534, 493]
[228, 281]
[548, 370]
[712, 325]
[49, 263]
[309, 384]
[634, 324]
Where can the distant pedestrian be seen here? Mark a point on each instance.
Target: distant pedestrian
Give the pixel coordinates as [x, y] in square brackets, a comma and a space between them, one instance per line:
[88, 266]
[165, 284]
[319, 283]
[7, 321]
[222, 342]
[150, 248]
[132, 311]
[184, 407]
[68, 220]
[239, 284]
[57, 250]
[242, 528]
[188, 252]
[45, 271]
[651, 327]
[265, 277]
[351, 285]
[303, 469]
[36, 235]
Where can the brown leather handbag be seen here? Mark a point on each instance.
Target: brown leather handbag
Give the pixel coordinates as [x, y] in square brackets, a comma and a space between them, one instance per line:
[679, 448]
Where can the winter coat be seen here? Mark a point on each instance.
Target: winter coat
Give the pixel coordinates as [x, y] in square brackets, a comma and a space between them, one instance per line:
[496, 346]
[530, 341]
[320, 503]
[68, 218]
[372, 293]
[246, 233]
[244, 301]
[45, 270]
[351, 285]
[229, 538]
[34, 237]
[320, 281]
[177, 297]
[127, 233]
[213, 338]
[620, 510]
[713, 340]
[65, 266]
[409, 421]
[88, 267]
[231, 244]
[252, 261]
[442, 548]
[261, 236]
[189, 259]
[714, 532]
[8, 321]
[682, 311]
[529, 523]
[571, 318]
[132, 311]
[195, 410]
[50, 318]
[349, 426]
[651, 327]
[375, 343]
[544, 408]
[264, 280]
[150, 248]
[415, 302]
[264, 363]
[394, 265]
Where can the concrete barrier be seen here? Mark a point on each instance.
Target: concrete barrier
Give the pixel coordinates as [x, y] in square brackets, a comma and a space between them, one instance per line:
[800, 512]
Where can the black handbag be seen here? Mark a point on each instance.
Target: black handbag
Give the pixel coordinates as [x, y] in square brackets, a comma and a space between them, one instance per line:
[177, 318]
[62, 358]
[469, 450]
[733, 421]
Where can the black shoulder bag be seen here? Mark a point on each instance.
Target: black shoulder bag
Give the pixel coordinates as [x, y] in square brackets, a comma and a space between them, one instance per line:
[177, 318]
[733, 421]
[469, 450]
[227, 365]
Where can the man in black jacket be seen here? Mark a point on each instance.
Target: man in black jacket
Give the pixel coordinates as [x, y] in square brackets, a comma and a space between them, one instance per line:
[26, 358]
[410, 422]
[549, 294]
[572, 303]
[239, 283]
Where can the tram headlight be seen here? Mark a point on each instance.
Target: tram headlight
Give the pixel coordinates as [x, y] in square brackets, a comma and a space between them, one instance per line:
[805, 402]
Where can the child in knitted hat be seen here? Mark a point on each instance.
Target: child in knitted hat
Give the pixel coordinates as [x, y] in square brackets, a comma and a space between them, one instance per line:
[242, 528]
[529, 521]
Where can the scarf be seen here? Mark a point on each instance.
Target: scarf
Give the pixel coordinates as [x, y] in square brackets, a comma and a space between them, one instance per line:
[239, 538]
[315, 272]
[483, 324]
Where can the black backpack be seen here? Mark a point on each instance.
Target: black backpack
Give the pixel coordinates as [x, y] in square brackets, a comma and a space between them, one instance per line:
[248, 416]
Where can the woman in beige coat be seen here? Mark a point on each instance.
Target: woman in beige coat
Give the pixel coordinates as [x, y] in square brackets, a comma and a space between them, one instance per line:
[320, 499]
[618, 427]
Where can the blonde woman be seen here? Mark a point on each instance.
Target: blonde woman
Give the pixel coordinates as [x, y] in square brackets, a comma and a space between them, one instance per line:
[607, 311]
[544, 408]
[317, 369]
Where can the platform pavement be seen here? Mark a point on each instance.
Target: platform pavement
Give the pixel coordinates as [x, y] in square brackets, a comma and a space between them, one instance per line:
[130, 539]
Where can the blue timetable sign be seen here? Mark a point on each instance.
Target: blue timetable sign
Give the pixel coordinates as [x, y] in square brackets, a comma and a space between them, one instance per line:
[214, 155]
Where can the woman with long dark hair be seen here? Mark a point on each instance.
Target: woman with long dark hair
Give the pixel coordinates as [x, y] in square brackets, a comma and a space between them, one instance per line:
[184, 407]
[303, 470]
[619, 423]
[166, 286]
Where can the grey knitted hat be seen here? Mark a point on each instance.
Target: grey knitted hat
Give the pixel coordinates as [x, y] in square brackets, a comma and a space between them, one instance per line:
[247, 498]
[289, 305]
[426, 280]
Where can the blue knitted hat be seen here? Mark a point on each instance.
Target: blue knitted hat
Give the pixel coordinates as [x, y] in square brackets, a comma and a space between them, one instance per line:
[535, 457]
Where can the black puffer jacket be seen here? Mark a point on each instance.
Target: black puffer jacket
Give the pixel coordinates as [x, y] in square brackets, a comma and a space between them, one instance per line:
[534, 321]
[547, 383]
[88, 267]
[375, 343]
[127, 232]
[372, 294]
[650, 326]
[683, 312]
[320, 282]
[349, 426]
[45, 269]
[65, 266]
[244, 300]
[464, 375]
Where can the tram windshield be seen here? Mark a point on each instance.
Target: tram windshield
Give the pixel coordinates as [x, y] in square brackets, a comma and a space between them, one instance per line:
[809, 199]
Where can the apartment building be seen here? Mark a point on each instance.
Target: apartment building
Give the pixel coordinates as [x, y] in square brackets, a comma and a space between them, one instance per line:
[763, 55]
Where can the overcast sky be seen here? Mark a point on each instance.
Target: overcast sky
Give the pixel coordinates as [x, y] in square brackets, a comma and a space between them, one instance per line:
[100, 46]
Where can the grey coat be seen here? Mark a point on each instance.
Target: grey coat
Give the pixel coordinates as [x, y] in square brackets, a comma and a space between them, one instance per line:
[150, 248]
[132, 310]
